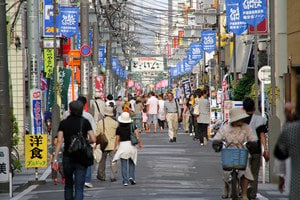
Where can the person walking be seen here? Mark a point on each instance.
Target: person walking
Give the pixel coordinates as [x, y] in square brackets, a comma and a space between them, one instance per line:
[125, 151]
[152, 111]
[173, 113]
[259, 129]
[90, 118]
[74, 172]
[138, 110]
[119, 106]
[161, 117]
[190, 105]
[111, 126]
[203, 119]
[59, 160]
[287, 146]
[185, 116]
[97, 107]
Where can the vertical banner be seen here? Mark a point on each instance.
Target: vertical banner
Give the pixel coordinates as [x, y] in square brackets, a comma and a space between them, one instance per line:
[209, 40]
[36, 149]
[235, 23]
[196, 51]
[101, 55]
[186, 88]
[36, 112]
[48, 62]
[48, 30]
[69, 21]
[99, 86]
[253, 12]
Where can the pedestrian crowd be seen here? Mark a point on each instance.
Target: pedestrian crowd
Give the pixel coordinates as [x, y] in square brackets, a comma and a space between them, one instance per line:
[119, 118]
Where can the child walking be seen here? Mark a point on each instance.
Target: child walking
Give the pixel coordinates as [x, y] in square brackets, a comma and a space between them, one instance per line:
[59, 160]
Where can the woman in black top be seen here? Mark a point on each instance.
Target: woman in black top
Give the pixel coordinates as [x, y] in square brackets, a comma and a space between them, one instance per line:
[126, 151]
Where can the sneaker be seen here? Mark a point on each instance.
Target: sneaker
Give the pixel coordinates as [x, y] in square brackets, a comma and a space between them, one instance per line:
[113, 180]
[63, 180]
[125, 184]
[55, 181]
[88, 185]
[131, 181]
[191, 134]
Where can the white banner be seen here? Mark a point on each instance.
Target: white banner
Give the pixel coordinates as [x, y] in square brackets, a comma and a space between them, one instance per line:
[142, 64]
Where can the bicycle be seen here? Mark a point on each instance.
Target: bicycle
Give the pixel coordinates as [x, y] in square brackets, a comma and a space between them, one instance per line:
[233, 160]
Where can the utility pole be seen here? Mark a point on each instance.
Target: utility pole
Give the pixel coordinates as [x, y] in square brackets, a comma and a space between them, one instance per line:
[85, 60]
[95, 69]
[5, 123]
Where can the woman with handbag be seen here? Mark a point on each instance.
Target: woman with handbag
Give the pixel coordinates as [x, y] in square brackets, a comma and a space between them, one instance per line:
[75, 171]
[108, 127]
[126, 151]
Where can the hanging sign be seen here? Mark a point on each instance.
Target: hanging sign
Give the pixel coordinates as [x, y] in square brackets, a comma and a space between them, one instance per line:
[234, 21]
[209, 40]
[69, 21]
[253, 12]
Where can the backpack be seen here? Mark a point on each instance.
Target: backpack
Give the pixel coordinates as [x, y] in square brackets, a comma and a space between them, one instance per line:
[80, 150]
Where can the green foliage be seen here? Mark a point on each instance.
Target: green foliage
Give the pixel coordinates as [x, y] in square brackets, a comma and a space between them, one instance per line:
[15, 139]
[243, 88]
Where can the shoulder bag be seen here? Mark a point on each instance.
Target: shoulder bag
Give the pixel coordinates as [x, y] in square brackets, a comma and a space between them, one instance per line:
[80, 150]
[133, 138]
[102, 139]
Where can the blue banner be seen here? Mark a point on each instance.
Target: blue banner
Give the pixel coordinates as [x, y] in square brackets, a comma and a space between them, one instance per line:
[69, 21]
[234, 20]
[253, 12]
[48, 30]
[209, 40]
[101, 55]
[196, 51]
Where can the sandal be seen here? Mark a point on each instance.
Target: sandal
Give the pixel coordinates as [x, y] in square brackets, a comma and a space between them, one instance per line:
[224, 196]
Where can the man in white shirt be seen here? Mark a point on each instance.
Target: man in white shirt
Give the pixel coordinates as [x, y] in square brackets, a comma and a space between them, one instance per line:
[152, 106]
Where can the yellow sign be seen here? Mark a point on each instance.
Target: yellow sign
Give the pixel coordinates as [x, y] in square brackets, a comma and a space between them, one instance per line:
[36, 150]
[48, 62]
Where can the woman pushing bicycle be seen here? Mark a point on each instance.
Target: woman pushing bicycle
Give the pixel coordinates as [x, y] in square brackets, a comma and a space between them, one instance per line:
[235, 134]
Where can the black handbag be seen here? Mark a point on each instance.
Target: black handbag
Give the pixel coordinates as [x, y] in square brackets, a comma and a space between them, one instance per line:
[80, 150]
[133, 138]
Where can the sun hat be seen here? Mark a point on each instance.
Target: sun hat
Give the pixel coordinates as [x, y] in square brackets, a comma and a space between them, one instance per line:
[97, 95]
[236, 114]
[125, 99]
[109, 111]
[124, 118]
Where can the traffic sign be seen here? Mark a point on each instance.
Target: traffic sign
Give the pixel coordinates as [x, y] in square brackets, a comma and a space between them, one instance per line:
[85, 50]
[264, 74]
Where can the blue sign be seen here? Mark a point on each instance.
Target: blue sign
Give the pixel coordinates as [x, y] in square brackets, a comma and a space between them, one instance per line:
[234, 20]
[196, 51]
[209, 40]
[253, 12]
[48, 30]
[101, 55]
[69, 21]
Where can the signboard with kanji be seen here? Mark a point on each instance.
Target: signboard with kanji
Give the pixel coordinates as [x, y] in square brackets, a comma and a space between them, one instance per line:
[4, 164]
[36, 150]
[142, 64]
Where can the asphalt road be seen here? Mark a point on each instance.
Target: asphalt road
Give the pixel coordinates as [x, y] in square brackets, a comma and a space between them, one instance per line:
[181, 170]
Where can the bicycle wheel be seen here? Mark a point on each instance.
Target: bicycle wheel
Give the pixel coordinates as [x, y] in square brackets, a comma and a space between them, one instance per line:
[234, 185]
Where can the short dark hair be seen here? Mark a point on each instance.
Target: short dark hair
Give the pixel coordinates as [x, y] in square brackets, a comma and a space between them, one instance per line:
[248, 104]
[82, 99]
[110, 97]
[76, 108]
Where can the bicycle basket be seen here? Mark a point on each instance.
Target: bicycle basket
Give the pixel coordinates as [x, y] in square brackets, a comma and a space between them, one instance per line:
[234, 159]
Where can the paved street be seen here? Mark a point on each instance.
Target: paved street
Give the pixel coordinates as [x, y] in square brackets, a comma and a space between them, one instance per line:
[182, 170]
